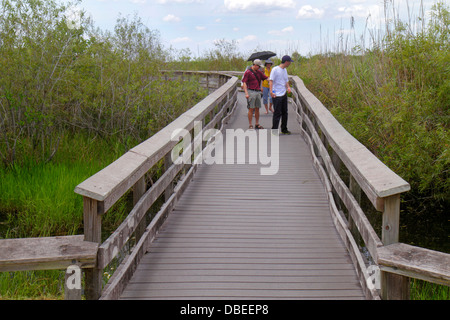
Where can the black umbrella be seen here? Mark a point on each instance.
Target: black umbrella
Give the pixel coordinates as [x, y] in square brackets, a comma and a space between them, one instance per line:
[263, 55]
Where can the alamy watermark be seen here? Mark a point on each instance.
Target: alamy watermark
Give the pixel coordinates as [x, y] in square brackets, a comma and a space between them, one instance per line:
[73, 277]
[237, 146]
[373, 280]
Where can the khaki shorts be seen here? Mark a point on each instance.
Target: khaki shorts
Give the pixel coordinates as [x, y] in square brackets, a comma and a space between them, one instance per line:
[254, 99]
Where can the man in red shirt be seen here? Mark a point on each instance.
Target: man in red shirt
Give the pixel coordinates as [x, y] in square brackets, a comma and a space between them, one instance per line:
[251, 82]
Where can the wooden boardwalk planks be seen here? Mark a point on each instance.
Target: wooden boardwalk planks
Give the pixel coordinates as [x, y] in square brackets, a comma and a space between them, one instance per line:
[236, 234]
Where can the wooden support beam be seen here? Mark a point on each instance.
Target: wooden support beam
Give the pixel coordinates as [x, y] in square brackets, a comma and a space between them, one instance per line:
[391, 220]
[92, 213]
[393, 286]
[138, 191]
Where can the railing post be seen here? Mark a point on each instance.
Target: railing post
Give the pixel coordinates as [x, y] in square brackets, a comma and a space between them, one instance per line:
[167, 163]
[299, 110]
[355, 189]
[393, 286]
[391, 220]
[92, 214]
[138, 192]
[337, 166]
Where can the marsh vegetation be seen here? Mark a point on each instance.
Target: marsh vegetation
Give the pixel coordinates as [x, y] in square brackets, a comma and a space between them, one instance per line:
[72, 100]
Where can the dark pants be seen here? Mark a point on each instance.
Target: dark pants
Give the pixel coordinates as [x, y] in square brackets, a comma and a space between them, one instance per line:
[280, 107]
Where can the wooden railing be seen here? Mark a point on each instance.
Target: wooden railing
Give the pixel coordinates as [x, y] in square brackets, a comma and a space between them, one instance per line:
[51, 253]
[129, 172]
[333, 148]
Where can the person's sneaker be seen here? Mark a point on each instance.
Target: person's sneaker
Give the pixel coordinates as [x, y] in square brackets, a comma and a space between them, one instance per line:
[287, 132]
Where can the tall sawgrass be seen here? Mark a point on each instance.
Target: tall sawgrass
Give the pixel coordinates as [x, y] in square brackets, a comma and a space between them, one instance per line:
[394, 97]
[391, 91]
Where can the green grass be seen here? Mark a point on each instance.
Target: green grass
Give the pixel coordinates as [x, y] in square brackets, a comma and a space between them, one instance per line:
[422, 290]
[38, 199]
[32, 285]
[43, 204]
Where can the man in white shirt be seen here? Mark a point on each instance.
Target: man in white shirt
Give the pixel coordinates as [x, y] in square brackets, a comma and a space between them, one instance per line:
[279, 88]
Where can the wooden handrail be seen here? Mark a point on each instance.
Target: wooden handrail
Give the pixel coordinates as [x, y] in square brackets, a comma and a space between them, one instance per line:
[382, 186]
[50, 253]
[46, 253]
[105, 188]
[373, 176]
[415, 262]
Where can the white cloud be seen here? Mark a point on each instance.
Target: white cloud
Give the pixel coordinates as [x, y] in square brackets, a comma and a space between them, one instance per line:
[373, 13]
[235, 5]
[247, 39]
[175, 1]
[171, 18]
[200, 28]
[358, 11]
[180, 40]
[352, 11]
[281, 32]
[308, 12]
[248, 43]
[345, 31]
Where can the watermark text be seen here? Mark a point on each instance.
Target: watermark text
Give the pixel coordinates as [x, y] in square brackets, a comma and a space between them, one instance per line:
[236, 146]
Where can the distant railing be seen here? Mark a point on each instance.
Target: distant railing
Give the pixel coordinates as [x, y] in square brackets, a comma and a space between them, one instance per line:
[333, 148]
[130, 172]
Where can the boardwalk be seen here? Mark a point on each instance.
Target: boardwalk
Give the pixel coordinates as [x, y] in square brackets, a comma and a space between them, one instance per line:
[237, 234]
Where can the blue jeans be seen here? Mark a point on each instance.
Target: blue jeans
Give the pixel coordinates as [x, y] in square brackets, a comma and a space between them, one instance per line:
[266, 96]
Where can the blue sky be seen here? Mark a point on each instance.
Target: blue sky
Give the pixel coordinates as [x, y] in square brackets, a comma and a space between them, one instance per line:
[282, 26]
